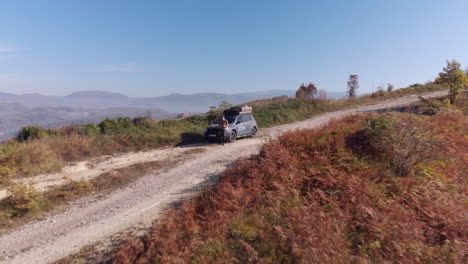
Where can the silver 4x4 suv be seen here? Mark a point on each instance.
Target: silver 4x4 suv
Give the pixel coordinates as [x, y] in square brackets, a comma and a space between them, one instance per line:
[241, 124]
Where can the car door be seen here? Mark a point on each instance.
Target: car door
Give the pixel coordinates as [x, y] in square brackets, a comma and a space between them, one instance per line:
[240, 126]
[248, 124]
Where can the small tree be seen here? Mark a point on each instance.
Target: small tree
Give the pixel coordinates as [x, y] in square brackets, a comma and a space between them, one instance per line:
[453, 77]
[353, 85]
[300, 93]
[308, 91]
[390, 87]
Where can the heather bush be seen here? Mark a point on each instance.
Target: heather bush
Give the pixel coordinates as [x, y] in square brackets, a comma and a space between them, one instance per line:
[37, 157]
[403, 140]
[70, 148]
[8, 161]
[308, 197]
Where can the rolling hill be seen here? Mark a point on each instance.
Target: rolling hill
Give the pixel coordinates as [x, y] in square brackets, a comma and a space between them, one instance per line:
[175, 103]
[80, 107]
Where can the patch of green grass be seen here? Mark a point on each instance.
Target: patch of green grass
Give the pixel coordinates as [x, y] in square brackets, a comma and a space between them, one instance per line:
[212, 251]
[244, 228]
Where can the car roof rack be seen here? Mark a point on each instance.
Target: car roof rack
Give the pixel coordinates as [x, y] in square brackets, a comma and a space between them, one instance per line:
[238, 110]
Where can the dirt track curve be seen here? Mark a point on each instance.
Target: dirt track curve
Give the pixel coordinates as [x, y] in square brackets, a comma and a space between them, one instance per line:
[134, 207]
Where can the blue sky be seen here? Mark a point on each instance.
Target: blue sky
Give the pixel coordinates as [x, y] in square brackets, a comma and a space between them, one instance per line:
[151, 48]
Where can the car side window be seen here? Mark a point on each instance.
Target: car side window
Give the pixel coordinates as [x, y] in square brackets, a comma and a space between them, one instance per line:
[240, 119]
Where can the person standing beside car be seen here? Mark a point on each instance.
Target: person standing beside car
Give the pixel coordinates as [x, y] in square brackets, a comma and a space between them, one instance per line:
[223, 126]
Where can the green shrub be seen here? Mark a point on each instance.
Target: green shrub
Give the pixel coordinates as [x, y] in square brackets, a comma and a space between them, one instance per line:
[72, 130]
[116, 126]
[142, 121]
[32, 133]
[92, 130]
[22, 200]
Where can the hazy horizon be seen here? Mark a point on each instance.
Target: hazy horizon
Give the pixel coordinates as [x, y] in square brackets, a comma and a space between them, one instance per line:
[171, 93]
[155, 48]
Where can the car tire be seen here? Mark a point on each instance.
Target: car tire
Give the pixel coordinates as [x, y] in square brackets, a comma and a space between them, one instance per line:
[254, 132]
[232, 136]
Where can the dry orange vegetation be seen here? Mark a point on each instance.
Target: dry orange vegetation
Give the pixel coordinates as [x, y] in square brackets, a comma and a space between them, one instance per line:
[319, 196]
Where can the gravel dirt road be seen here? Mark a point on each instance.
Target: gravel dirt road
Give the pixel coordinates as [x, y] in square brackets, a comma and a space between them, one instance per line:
[134, 207]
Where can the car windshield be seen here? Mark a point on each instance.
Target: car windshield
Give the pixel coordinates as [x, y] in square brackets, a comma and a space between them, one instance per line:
[230, 119]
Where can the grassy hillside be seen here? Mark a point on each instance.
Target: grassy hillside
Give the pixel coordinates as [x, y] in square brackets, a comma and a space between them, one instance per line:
[380, 188]
[39, 150]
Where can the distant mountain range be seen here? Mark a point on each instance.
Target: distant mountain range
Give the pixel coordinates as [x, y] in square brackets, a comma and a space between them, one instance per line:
[174, 103]
[17, 111]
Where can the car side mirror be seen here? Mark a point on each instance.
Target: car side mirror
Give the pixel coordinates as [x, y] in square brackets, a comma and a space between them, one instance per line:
[238, 122]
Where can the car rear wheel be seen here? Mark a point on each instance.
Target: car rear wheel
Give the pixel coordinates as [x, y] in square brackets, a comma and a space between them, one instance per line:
[254, 132]
[232, 136]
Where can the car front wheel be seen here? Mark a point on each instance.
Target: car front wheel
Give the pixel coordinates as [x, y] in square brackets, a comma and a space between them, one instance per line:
[254, 132]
